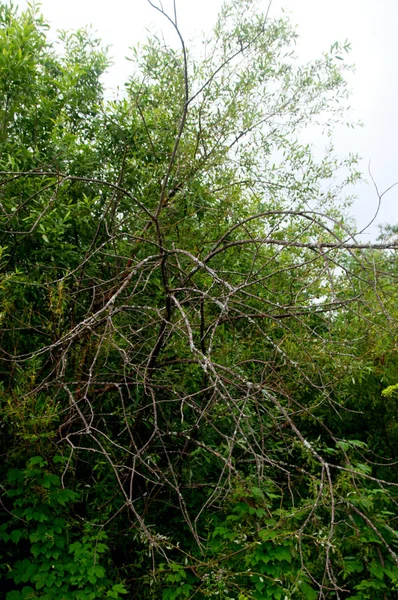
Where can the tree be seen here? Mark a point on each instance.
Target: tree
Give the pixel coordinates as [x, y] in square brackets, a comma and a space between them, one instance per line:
[185, 316]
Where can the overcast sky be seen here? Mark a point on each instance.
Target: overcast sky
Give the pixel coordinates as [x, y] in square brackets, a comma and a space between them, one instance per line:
[370, 26]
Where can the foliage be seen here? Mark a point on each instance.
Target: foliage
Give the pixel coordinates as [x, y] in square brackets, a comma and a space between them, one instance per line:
[49, 559]
[194, 343]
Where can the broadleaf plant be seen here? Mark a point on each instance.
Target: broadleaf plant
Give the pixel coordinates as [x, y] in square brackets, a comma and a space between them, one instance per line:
[194, 341]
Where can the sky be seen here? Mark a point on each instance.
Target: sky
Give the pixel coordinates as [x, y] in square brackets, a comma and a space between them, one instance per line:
[370, 26]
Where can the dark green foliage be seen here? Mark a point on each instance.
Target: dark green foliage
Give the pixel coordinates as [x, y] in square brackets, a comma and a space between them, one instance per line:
[193, 348]
[48, 554]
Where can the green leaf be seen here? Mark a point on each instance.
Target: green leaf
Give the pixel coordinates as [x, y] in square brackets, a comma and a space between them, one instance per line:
[37, 460]
[308, 591]
[117, 589]
[16, 535]
[15, 595]
[282, 554]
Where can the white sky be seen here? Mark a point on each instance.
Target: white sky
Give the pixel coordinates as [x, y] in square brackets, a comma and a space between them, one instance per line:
[371, 27]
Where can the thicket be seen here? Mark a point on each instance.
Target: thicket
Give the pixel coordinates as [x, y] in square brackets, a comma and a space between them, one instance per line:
[194, 344]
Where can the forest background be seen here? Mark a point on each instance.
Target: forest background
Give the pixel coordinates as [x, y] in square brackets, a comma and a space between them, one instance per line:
[198, 354]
